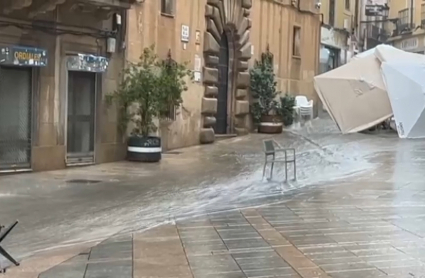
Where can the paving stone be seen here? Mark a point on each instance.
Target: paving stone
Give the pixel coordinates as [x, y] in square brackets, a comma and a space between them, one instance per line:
[73, 268]
[398, 263]
[235, 274]
[311, 241]
[360, 274]
[246, 243]
[270, 272]
[205, 249]
[261, 263]
[239, 235]
[160, 270]
[405, 271]
[344, 267]
[116, 250]
[241, 254]
[111, 269]
[337, 260]
[213, 263]
[160, 256]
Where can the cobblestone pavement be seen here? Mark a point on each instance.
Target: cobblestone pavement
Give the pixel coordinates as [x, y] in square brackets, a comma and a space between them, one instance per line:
[348, 229]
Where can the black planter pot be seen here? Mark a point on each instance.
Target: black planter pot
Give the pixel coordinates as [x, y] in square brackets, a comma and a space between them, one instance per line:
[144, 149]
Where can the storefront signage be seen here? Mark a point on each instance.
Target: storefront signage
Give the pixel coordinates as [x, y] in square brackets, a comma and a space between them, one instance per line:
[23, 56]
[90, 63]
[410, 44]
[331, 38]
[375, 10]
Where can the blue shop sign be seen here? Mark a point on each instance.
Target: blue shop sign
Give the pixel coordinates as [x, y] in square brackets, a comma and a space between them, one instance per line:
[89, 63]
[23, 56]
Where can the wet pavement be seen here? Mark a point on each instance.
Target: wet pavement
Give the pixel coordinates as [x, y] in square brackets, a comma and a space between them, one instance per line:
[361, 194]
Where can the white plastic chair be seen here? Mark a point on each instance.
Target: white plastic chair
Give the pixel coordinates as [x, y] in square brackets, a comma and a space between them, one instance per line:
[303, 107]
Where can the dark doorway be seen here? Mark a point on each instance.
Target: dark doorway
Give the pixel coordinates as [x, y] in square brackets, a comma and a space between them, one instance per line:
[223, 78]
[15, 118]
[81, 117]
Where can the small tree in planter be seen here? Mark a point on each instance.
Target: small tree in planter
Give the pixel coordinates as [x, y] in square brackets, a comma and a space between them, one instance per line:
[148, 89]
[263, 87]
[286, 109]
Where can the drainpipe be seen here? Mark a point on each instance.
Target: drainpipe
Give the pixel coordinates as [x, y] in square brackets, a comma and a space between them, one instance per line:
[411, 13]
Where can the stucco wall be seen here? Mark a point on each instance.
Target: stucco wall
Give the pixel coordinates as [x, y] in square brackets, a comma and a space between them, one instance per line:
[50, 89]
[148, 27]
[272, 23]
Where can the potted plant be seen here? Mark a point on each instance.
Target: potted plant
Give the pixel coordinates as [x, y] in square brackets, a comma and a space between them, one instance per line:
[148, 88]
[286, 109]
[265, 108]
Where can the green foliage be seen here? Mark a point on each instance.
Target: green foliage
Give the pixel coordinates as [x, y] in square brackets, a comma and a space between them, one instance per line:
[148, 89]
[286, 109]
[263, 87]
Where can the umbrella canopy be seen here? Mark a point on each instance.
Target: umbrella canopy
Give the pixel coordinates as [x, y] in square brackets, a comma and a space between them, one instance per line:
[406, 89]
[355, 94]
[386, 53]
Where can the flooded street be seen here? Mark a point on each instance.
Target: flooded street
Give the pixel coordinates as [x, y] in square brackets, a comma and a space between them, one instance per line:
[62, 208]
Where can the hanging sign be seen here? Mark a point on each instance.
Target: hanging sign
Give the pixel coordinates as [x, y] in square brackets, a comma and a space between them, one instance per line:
[23, 56]
[85, 62]
[185, 33]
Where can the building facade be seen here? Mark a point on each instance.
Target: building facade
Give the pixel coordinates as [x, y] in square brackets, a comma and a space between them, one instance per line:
[221, 40]
[399, 23]
[408, 23]
[338, 18]
[58, 58]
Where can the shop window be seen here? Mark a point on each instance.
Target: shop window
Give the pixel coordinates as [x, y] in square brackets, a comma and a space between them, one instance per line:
[423, 15]
[403, 19]
[296, 42]
[331, 12]
[347, 5]
[167, 7]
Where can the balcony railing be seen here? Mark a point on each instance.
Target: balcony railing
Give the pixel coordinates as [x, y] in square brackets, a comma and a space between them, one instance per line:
[405, 28]
[377, 33]
[124, 4]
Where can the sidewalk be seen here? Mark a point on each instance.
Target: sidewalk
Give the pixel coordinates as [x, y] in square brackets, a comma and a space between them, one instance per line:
[357, 210]
[343, 230]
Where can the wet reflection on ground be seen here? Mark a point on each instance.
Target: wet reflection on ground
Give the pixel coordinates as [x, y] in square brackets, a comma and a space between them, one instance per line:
[60, 208]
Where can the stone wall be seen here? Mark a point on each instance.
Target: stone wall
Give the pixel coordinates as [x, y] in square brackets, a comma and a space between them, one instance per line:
[251, 26]
[49, 106]
[273, 26]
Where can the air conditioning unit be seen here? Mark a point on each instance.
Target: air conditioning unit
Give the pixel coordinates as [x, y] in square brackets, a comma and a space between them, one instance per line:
[346, 24]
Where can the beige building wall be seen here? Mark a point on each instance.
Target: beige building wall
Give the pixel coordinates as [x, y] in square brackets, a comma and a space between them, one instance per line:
[273, 26]
[413, 40]
[146, 27]
[49, 84]
[270, 22]
[341, 12]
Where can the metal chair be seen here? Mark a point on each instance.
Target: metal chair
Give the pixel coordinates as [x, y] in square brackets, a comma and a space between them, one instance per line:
[3, 235]
[271, 152]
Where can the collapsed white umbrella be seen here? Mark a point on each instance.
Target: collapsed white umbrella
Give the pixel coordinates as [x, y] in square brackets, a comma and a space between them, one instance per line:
[386, 53]
[355, 94]
[405, 84]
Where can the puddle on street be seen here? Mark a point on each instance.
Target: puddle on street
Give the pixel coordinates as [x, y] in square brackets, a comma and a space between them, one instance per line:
[226, 175]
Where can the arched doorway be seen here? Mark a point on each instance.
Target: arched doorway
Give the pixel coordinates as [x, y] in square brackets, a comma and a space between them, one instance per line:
[223, 86]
